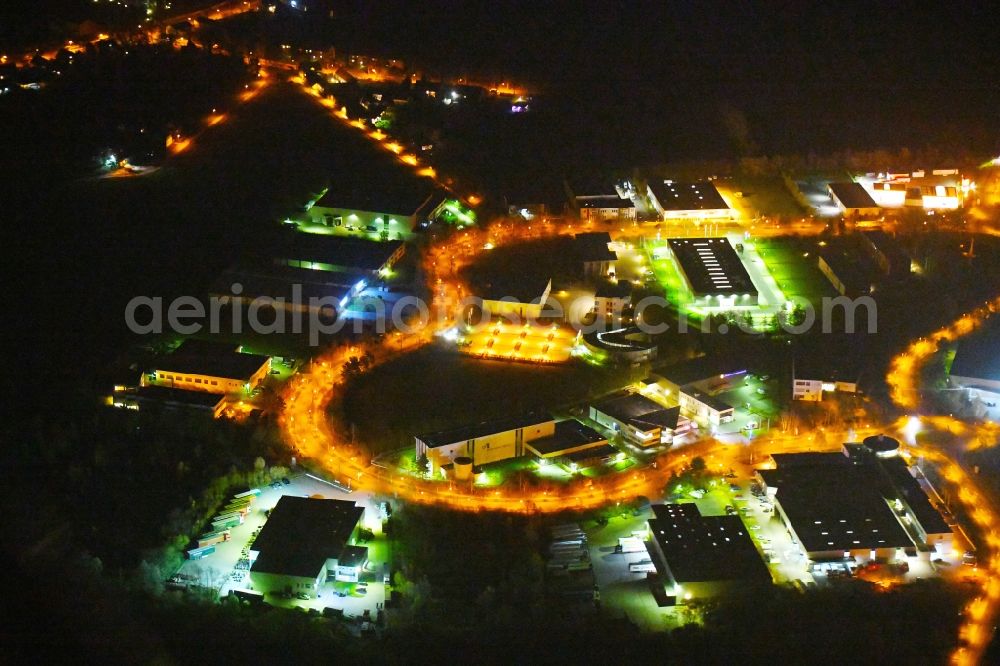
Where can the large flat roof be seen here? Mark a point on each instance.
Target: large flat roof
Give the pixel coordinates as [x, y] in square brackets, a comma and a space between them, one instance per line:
[483, 428]
[852, 195]
[677, 195]
[907, 486]
[280, 282]
[712, 266]
[569, 434]
[175, 397]
[702, 367]
[211, 359]
[701, 548]
[978, 355]
[392, 191]
[347, 251]
[594, 246]
[303, 533]
[604, 201]
[638, 410]
[834, 504]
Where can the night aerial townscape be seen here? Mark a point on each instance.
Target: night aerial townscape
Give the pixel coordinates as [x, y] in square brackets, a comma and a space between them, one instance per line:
[500, 332]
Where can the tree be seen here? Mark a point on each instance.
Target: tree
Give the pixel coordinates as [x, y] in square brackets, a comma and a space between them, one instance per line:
[698, 464]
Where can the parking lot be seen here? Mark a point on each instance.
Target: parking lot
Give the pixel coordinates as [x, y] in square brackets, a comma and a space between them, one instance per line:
[227, 568]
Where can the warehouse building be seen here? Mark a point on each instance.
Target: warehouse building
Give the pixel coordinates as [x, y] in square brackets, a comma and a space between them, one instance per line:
[161, 397]
[485, 442]
[605, 208]
[853, 200]
[855, 505]
[210, 367]
[699, 556]
[306, 542]
[712, 269]
[339, 254]
[675, 200]
[976, 368]
[289, 289]
[572, 445]
[594, 251]
[517, 297]
[942, 189]
[639, 419]
[392, 208]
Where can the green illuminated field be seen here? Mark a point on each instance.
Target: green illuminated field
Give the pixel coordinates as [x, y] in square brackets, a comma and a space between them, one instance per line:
[792, 262]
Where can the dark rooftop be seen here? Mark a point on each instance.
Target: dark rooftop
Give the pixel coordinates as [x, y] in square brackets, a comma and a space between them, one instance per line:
[347, 251]
[914, 496]
[619, 290]
[702, 367]
[852, 195]
[174, 397]
[303, 533]
[352, 556]
[834, 505]
[701, 548]
[593, 246]
[978, 355]
[705, 398]
[675, 195]
[198, 357]
[569, 434]
[604, 201]
[712, 266]
[851, 268]
[390, 193]
[278, 282]
[638, 411]
[593, 453]
[483, 429]
[522, 288]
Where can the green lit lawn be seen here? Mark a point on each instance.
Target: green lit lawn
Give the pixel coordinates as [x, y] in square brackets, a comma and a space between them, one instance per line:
[797, 276]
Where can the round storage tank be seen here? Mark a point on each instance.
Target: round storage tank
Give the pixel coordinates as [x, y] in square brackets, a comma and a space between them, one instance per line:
[882, 445]
[463, 468]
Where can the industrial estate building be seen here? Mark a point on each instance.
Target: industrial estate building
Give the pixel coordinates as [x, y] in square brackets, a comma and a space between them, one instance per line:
[569, 443]
[639, 419]
[602, 208]
[288, 289]
[573, 445]
[712, 269]
[853, 200]
[516, 297]
[942, 189]
[610, 300]
[702, 556]
[853, 505]
[678, 200]
[485, 442]
[394, 207]
[306, 542]
[341, 254]
[976, 366]
[594, 252]
[694, 385]
[162, 397]
[210, 367]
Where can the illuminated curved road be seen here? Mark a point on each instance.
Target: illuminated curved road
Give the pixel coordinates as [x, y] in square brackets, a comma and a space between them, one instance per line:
[308, 429]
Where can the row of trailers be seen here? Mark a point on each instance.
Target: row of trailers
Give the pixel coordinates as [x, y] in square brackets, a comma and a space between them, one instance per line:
[231, 515]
